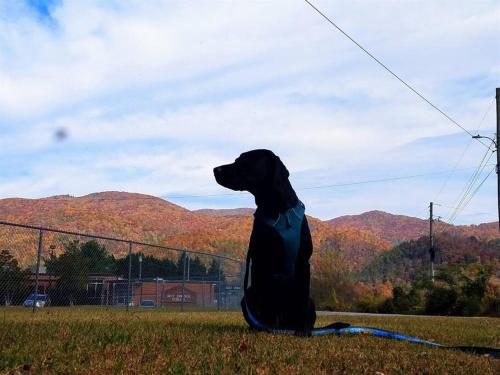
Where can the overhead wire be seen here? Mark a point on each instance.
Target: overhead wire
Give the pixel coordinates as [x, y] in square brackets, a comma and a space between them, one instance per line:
[472, 195]
[464, 151]
[470, 185]
[391, 71]
[421, 212]
[387, 179]
[453, 170]
[476, 174]
[377, 180]
[466, 191]
[471, 212]
[411, 88]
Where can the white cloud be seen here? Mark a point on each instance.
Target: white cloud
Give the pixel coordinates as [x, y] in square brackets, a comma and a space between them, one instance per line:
[154, 94]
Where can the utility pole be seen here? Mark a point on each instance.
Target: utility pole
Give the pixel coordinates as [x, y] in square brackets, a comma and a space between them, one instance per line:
[496, 141]
[432, 252]
[140, 267]
[140, 276]
[498, 153]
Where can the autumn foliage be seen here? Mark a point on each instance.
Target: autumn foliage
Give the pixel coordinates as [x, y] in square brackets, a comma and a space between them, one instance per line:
[357, 261]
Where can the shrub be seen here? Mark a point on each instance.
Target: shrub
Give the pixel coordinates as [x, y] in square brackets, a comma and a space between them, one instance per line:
[372, 304]
[332, 287]
[405, 302]
[441, 301]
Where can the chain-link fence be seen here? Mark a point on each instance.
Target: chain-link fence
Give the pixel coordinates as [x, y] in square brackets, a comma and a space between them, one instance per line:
[42, 267]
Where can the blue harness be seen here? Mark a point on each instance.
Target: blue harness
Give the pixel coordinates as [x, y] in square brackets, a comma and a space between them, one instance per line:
[289, 225]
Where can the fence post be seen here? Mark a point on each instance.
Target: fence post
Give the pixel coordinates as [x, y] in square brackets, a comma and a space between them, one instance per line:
[218, 284]
[242, 279]
[107, 295]
[38, 255]
[158, 303]
[129, 273]
[183, 278]
[203, 292]
[162, 293]
[142, 284]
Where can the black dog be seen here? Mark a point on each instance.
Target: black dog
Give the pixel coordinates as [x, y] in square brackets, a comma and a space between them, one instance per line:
[280, 244]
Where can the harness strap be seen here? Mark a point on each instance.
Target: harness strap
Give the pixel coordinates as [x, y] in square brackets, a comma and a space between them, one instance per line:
[288, 225]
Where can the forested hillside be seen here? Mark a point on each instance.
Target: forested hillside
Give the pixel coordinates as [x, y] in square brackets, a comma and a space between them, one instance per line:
[357, 239]
[397, 228]
[410, 260]
[365, 262]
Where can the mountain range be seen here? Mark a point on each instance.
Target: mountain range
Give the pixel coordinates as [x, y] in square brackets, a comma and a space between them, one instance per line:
[154, 220]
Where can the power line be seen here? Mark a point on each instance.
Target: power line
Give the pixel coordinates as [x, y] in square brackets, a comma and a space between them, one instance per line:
[471, 212]
[379, 180]
[485, 114]
[390, 71]
[200, 195]
[469, 186]
[472, 195]
[465, 194]
[387, 179]
[420, 214]
[454, 169]
[465, 150]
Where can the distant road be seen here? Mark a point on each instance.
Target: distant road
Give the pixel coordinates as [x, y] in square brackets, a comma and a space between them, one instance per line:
[346, 313]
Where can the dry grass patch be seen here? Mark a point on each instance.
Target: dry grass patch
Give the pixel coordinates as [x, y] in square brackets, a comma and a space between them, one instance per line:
[84, 341]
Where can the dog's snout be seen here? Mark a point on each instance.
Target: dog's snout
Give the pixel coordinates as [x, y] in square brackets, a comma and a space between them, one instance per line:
[226, 175]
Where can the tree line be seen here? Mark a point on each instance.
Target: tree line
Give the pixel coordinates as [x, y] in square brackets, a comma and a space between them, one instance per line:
[467, 280]
[93, 258]
[73, 268]
[459, 289]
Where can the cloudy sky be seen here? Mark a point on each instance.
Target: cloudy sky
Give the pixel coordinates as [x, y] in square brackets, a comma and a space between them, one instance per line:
[149, 96]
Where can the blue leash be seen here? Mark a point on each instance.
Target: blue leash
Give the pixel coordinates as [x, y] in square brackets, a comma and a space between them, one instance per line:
[340, 328]
[288, 226]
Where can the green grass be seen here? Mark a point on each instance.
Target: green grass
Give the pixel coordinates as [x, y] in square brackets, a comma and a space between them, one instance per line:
[87, 340]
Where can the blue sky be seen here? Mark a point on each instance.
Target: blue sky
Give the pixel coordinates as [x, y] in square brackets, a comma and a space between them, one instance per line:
[152, 95]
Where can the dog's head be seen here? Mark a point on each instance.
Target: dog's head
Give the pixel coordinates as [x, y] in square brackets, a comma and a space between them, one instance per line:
[253, 171]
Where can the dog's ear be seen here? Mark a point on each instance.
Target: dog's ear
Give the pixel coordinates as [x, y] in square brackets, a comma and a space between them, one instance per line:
[279, 174]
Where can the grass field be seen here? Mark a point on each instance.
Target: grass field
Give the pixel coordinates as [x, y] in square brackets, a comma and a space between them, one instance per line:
[98, 341]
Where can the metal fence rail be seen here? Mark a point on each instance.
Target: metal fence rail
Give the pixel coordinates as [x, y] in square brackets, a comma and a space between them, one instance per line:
[43, 267]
